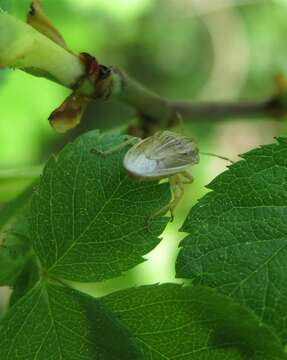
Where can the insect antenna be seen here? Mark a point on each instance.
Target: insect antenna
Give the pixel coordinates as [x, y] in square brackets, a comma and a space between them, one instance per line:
[218, 156]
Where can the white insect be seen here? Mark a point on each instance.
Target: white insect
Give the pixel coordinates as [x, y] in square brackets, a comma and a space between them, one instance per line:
[163, 155]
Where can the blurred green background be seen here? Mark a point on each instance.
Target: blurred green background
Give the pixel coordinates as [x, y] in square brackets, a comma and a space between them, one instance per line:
[183, 49]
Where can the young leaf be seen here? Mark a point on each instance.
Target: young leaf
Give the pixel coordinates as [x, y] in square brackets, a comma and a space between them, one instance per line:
[237, 238]
[89, 220]
[192, 323]
[52, 322]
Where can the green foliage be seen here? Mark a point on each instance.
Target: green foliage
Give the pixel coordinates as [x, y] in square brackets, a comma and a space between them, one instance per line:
[237, 235]
[163, 322]
[88, 221]
[170, 321]
[53, 322]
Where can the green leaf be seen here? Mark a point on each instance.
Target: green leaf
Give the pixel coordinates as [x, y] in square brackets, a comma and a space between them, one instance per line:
[53, 322]
[89, 220]
[191, 323]
[237, 238]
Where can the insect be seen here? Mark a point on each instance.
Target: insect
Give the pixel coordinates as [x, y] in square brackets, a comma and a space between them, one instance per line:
[162, 155]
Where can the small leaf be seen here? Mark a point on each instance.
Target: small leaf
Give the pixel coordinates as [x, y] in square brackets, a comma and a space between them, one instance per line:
[191, 323]
[237, 238]
[53, 322]
[89, 220]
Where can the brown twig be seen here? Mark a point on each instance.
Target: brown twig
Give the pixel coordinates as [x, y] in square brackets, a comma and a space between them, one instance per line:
[156, 112]
[210, 111]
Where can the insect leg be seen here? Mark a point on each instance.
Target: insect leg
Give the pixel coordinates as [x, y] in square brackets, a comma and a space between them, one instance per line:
[115, 148]
[189, 177]
[177, 193]
[177, 190]
[169, 206]
[162, 211]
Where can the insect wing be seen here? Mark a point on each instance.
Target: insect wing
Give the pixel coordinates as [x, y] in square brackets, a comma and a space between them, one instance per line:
[173, 150]
[161, 155]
